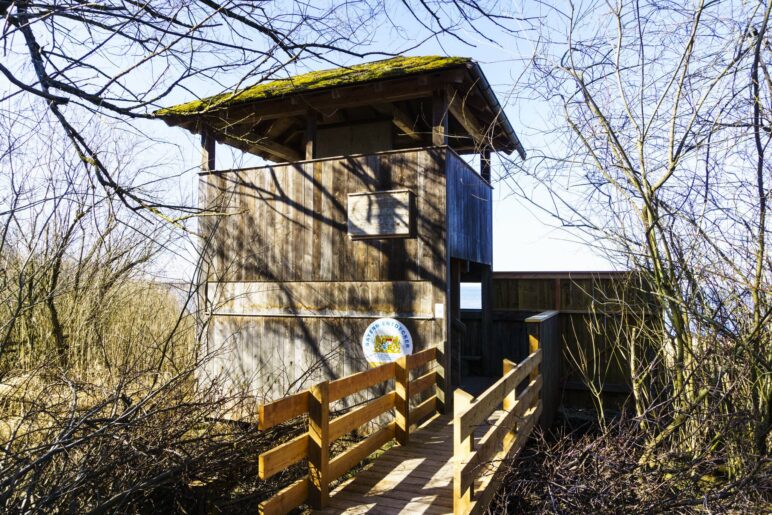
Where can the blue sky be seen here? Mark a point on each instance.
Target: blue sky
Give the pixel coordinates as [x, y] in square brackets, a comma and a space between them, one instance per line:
[525, 239]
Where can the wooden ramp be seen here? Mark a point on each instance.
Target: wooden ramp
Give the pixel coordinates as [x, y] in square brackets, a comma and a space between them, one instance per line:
[412, 478]
[448, 464]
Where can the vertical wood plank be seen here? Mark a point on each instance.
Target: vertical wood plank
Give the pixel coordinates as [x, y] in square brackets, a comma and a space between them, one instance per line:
[510, 400]
[534, 335]
[318, 445]
[207, 150]
[326, 214]
[439, 118]
[456, 338]
[305, 222]
[402, 403]
[463, 446]
[485, 164]
[310, 135]
[534, 330]
[490, 354]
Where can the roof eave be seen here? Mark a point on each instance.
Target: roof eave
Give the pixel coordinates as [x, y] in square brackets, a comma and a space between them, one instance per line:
[490, 97]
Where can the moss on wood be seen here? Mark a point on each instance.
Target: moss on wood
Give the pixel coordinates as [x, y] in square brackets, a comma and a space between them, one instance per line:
[383, 69]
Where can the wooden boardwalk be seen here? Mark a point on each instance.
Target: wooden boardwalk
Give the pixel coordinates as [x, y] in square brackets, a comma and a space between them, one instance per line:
[414, 478]
[448, 464]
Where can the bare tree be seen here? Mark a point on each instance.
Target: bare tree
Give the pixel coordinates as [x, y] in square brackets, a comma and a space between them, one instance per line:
[665, 112]
[123, 58]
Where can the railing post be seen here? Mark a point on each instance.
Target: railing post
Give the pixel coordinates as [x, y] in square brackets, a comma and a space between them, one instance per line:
[402, 407]
[534, 337]
[462, 450]
[319, 445]
[534, 330]
[509, 403]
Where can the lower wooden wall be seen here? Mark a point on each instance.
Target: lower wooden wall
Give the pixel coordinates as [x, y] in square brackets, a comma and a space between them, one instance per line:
[273, 356]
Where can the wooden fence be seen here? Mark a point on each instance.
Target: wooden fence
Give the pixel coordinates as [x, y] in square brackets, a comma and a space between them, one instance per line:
[314, 444]
[505, 413]
[486, 428]
[590, 325]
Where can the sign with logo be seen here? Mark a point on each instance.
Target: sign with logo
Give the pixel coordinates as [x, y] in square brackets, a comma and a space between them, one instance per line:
[380, 214]
[386, 340]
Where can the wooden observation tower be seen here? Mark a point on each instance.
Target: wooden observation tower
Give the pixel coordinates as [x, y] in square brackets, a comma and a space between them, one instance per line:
[366, 210]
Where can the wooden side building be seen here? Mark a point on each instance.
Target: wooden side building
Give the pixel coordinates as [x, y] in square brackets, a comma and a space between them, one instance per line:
[367, 209]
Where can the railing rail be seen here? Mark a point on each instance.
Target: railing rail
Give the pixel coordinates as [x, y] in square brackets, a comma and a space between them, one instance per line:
[478, 458]
[314, 444]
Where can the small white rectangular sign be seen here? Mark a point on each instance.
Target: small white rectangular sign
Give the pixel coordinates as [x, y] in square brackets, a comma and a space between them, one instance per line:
[380, 214]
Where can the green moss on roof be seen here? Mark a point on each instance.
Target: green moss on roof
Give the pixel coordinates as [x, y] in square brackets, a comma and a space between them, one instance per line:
[384, 69]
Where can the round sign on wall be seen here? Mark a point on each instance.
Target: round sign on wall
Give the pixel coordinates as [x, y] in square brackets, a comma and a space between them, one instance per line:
[386, 340]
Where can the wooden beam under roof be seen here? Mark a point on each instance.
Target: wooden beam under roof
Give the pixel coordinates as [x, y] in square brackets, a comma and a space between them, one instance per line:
[400, 119]
[279, 126]
[262, 146]
[463, 115]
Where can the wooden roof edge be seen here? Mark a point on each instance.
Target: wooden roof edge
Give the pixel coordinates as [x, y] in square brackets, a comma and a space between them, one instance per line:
[491, 98]
[326, 80]
[194, 120]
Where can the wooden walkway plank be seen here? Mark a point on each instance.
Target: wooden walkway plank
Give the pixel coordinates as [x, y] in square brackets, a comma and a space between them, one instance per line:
[414, 478]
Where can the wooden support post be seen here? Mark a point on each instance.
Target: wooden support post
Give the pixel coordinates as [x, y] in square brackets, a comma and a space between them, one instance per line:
[485, 165]
[207, 165]
[510, 401]
[402, 402]
[440, 118]
[491, 353]
[534, 331]
[456, 360]
[207, 149]
[319, 446]
[442, 389]
[462, 451]
[310, 135]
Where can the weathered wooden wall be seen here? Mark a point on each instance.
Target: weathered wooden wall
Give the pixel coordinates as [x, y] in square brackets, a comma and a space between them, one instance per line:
[509, 340]
[354, 138]
[291, 293]
[589, 325]
[470, 227]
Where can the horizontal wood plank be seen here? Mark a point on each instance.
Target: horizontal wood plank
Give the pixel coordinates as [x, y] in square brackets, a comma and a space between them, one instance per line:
[494, 441]
[349, 385]
[282, 456]
[541, 317]
[491, 399]
[377, 299]
[421, 358]
[282, 410]
[286, 499]
[347, 460]
[423, 410]
[426, 381]
[361, 415]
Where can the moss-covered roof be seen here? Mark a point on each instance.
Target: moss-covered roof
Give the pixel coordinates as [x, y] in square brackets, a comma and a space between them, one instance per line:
[384, 69]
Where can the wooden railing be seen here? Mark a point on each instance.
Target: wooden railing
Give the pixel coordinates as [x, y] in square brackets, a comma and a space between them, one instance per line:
[314, 445]
[478, 453]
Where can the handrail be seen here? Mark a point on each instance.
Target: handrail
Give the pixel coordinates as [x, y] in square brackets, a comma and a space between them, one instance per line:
[478, 458]
[314, 445]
